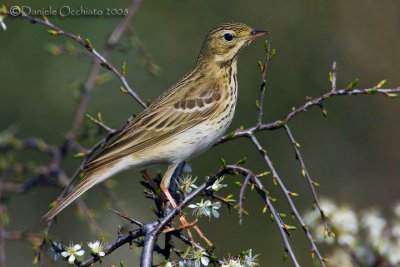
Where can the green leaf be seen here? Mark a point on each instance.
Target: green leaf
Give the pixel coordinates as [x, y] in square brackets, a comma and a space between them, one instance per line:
[266, 45]
[380, 84]
[123, 69]
[80, 155]
[223, 162]
[260, 65]
[273, 54]
[53, 32]
[290, 227]
[88, 44]
[392, 95]
[241, 161]
[352, 84]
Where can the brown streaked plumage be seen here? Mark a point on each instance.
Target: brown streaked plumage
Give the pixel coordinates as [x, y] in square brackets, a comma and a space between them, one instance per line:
[183, 122]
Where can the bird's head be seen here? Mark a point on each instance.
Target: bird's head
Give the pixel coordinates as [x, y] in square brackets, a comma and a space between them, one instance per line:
[224, 43]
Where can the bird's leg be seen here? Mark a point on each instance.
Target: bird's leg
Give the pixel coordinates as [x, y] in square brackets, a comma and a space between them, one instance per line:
[164, 187]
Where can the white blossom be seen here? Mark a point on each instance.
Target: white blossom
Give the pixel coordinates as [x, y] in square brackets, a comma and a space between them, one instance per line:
[206, 208]
[396, 210]
[96, 248]
[217, 184]
[186, 184]
[374, 224]
[232, 263]
[199, 257]
[72, 252]
[250, 260]
[345, 220]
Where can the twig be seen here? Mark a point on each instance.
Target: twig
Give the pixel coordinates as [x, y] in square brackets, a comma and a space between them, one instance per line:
[128, 238]
[289, 194]
[55, 30]
[305, 173]
[282, 227]
[316, 101]
[95, 69]
[241, 197]
[332, 77]
[263, 82]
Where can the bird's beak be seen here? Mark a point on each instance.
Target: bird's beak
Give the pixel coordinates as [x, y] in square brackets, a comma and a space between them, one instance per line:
[255, 34]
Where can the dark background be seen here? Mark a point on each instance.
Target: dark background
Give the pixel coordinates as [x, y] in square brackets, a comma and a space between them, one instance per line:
[353, 153]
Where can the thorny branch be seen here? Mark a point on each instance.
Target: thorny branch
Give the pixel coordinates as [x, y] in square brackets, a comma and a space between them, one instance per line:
[147, 235]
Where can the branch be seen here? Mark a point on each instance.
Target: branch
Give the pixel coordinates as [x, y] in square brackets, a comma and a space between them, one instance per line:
[316, 101]
[305, 173]
[86, 43]
[288, 194]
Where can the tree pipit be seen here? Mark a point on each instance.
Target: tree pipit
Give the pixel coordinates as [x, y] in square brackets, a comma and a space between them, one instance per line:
[183, 122]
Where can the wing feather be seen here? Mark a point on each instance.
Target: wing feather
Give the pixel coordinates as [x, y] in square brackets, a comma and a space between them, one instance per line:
[156, 124]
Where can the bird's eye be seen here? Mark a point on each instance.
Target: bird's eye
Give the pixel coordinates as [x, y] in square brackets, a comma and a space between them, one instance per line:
[228, 37]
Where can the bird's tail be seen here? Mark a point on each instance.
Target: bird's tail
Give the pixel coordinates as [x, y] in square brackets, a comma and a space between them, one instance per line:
[87, 183]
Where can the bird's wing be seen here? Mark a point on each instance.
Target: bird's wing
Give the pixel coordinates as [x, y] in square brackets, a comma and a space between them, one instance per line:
[167, 117]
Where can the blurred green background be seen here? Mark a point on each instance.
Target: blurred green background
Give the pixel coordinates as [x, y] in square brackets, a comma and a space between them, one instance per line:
[353, 153]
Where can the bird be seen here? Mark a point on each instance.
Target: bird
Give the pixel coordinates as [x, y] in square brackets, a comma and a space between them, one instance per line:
[183, 122]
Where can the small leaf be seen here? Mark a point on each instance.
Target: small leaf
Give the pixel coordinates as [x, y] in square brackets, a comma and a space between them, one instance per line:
[273, 53]
[392, 95]
[380, 84]
[241, 161]
[99, 117]
[35, 260]
[88, 44]
[272, 218]
[263, 174]
[80, 155]
[290, 227]
[53, 32]
[266, 45]
[230, 135]
[123, 69]
[265, 209]
[312, 254]
[352, 84]
[315, 184]
[123, 90]
[121, 263]
[53, 203]
[260, 66]
[303, 172]
[223, 162]
[293, 194]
